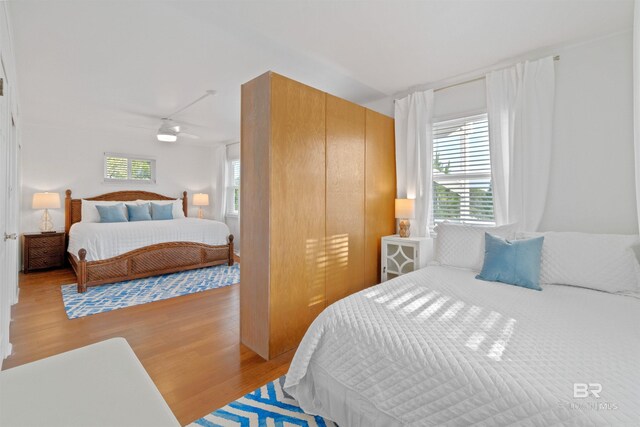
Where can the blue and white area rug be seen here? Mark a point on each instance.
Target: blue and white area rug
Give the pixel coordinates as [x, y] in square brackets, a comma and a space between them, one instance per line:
[99, 299]
[269, 405]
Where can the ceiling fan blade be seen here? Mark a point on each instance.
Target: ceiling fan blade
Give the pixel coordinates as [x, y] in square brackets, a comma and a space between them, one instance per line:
[140, 127]
[188, 135]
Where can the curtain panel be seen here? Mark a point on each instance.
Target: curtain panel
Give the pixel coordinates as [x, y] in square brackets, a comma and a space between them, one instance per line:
[414, 151]
[520, 104]
[218, 184]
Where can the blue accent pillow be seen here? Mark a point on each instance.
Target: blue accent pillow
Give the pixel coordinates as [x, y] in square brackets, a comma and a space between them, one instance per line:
[160, 212]
[139, 212]
[111, 213]
[513, 262]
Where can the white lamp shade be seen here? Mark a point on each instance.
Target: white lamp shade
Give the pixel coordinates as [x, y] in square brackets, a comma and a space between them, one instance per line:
[405, 208]
[200, 199]
[46, 201]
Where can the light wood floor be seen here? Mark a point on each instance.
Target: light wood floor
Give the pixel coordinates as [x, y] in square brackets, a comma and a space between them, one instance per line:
[189, 345]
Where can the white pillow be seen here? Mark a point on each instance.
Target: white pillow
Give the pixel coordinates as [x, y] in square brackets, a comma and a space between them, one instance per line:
[176, 210]
[89, 213]
[605, 262]
[462, 246]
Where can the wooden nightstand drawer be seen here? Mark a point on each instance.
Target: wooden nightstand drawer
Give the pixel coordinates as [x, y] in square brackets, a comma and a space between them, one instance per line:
[54, 240]
[47, 262]
[43, 250]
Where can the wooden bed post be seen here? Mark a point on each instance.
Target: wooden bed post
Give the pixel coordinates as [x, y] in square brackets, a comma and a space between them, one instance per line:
[67, 212]
[230, 249]
[82, 271]
[185, 203]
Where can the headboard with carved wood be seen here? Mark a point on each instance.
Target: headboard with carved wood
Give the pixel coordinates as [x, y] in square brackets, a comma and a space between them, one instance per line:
[73, 207]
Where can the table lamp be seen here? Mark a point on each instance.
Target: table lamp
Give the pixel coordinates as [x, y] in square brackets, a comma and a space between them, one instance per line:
[405, 209]
[46, 201]
[200, 200]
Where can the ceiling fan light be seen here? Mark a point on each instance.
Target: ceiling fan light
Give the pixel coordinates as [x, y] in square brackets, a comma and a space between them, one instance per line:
[167, 137]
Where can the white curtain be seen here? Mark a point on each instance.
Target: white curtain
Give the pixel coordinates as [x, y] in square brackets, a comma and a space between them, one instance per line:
[636, 99]
[414, 148]
[218, 185]
[520, 101]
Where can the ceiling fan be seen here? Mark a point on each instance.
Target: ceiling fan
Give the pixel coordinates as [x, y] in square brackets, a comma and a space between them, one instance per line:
[169, 129]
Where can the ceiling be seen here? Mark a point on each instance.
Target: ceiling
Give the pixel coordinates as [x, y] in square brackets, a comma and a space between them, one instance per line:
[105, 65]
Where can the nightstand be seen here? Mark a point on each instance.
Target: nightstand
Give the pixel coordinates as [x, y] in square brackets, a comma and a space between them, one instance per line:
[43, 250]
[401, 255]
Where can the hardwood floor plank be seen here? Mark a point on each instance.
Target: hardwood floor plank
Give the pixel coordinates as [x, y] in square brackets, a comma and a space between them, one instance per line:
[189, 345]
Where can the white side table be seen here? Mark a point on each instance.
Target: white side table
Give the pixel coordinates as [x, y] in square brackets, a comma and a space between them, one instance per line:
[401, 255]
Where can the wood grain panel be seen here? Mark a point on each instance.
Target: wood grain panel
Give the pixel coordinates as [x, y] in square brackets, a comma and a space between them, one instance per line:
[345, 216]
[254, 227]
[297, 291]
[380, 173]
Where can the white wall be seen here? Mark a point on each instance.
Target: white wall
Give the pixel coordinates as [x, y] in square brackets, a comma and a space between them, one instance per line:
[592, 184]
[54, 159]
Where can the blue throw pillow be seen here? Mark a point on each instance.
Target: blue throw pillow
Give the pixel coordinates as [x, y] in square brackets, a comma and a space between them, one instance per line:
[139, 212]
[111, 213]
[161, 211]
[514, 262]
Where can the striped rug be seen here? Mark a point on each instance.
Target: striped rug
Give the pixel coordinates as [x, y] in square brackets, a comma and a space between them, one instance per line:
[99, 299]
[267, 406]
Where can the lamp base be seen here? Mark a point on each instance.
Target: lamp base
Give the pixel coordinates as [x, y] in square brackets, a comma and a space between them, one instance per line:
[46, 225]
[200, 214]
[405, 228]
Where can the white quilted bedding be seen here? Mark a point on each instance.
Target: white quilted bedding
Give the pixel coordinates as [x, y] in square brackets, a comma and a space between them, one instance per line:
[103, 241]
[437, 347]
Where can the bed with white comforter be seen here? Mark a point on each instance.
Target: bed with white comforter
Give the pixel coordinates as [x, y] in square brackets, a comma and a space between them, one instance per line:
[438, 347]
[104, 241]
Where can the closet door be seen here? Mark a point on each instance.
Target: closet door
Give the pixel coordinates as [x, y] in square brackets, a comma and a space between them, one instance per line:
[297, 211]
[380, 185]
[345, 198]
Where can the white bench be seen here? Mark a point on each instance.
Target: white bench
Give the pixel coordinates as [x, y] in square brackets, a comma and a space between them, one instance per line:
[103, 384]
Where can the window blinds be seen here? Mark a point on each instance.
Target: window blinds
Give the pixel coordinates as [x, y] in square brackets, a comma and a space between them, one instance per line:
[233, 188]
[123, 168]
[141, 169]
[462, 171]
[235, 173]
[116, 168]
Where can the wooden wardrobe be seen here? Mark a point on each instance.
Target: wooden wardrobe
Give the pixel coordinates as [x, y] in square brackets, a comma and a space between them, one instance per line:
[317, 194]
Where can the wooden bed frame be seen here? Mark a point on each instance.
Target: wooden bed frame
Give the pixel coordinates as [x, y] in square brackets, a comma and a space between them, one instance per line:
[148, 261]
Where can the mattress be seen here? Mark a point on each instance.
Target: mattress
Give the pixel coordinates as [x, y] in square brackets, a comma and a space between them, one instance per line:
[103, 241]
[438, 347]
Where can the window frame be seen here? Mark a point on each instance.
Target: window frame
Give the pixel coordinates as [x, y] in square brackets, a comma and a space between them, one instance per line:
[466, 176]
[231, 189]
[129, 179]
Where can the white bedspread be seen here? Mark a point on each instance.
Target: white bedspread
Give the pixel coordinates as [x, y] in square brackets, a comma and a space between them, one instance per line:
[437, 347]
[104, 241]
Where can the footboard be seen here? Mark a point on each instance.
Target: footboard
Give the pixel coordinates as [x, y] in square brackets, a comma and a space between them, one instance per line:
[153, 260]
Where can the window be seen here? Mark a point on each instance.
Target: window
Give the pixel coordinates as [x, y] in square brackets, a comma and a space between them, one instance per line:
[233, 187]
[462, 171]
[124, 168]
